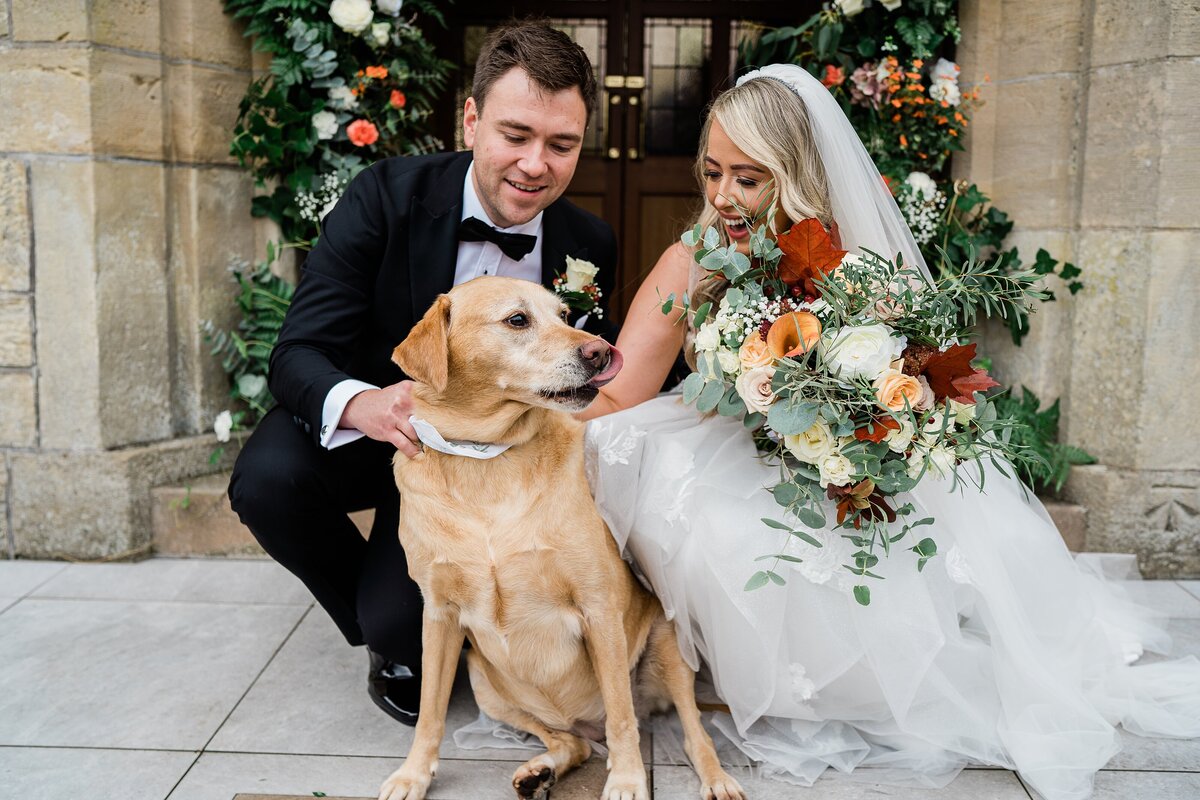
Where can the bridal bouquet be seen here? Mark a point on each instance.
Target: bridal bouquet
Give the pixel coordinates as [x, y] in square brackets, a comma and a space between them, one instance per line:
[852, 373]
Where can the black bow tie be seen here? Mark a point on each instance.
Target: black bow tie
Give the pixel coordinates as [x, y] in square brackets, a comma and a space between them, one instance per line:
[514, 245]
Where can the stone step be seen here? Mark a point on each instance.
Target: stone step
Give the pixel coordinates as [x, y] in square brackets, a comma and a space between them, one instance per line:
[195, 520]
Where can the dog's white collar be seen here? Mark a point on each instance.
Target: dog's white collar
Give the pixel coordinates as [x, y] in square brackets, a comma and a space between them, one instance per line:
[430, 437]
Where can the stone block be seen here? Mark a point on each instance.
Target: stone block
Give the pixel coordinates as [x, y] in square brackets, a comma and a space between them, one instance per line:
[18, 410]
[1179, 184]
[127, 105]
[211, 227]
[131, 24]
[66, 304]
[1106, 390]
[200, 30]
[1071, 521]
[1122, 166]
[133, 325]
[97, 504]
[42, 21]
[5, 543]
[14, 226]
[203, 110]
[30, 75]
[16, 330]
[1125, 31]
[4, 31]
[1150, 513]
[1043, 361]
[1170, 350]
[1039, 38]
[1035, 146]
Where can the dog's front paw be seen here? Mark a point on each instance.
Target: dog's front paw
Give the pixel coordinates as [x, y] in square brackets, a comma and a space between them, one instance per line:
[721, 786]
[533, 779]
[629, 786]
[407, 783]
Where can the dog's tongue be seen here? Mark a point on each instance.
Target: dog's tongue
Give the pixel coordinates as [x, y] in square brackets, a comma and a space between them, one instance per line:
[615, 360]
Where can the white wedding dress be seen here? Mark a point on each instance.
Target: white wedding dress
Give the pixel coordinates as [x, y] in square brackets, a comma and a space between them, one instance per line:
[1006, 650]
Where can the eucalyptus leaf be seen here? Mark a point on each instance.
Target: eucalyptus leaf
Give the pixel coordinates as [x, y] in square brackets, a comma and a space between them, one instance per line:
[710, 396]
[787, 493]
[692, 385]
[731, 404]
[776, 578]
[812, 517]
[788, 418]
[862, 594]
[757, 581]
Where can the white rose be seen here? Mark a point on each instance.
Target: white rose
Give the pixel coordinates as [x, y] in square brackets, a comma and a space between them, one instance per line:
[945, 70]
[754, 387]
[945, 91]
[813, 444]
[850, 7]
[835, 469]
[579, 273]
[932, 428]
[389, 6]
[380, 33]
[222, 426]
[352, 16]
[707, 338]
[923, 185]
[862, 351]
[326, 124]
[891, 5]
[941, 462]
[730, 361]
[900, 438]
[341, 97]
[963, 412]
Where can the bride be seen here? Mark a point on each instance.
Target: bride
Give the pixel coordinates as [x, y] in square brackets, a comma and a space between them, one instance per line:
[1004, 651]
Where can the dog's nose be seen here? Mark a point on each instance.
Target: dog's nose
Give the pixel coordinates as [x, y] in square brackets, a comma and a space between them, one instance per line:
[596, 353]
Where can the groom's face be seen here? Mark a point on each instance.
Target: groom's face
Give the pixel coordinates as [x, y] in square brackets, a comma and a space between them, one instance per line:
[526, 143]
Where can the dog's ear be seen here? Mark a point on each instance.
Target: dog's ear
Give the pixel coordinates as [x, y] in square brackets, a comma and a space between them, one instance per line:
[424, 355]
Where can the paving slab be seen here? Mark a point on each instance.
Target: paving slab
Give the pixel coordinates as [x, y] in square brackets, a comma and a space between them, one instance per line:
[1192, 587]
[84, 673]
[53, 773]
[681, 783]
[180, 579]
[1159, 755]
[19, 578]
[1139, 785]
[1166, 597]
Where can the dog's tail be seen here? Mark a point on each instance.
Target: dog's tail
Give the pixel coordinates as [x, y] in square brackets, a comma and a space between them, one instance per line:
[721, 707]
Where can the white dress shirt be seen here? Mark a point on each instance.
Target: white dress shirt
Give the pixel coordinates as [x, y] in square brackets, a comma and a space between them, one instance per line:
[474, 259]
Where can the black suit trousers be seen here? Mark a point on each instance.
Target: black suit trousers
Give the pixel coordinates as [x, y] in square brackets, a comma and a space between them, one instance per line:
[295, 497]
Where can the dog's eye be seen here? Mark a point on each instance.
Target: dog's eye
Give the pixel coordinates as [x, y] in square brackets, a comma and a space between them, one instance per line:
[518, 321]
[565, 314]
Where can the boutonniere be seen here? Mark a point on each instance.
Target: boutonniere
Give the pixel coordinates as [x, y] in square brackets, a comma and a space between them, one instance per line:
[576, 287]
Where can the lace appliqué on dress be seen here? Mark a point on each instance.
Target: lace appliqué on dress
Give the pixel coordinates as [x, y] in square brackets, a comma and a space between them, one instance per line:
[672, 483]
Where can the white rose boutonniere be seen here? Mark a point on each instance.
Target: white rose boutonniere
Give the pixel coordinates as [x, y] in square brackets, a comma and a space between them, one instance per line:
[381, 33]
[325, 123]
[352, 16]
[223, 426]
[577, 288]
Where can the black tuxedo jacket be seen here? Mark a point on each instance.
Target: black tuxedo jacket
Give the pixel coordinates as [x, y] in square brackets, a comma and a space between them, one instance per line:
[386, 251]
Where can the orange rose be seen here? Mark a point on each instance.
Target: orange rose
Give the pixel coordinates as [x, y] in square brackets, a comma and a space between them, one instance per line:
[793, 334]
[398, 99]
[376, 72]
[754, 352]
[834, 76]
[362, 133]
[893, 389]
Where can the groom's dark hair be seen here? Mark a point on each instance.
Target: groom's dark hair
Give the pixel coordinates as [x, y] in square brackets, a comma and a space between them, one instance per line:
[547, 55]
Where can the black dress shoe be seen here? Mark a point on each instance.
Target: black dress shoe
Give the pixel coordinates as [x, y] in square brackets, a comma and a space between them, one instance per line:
[395, 688]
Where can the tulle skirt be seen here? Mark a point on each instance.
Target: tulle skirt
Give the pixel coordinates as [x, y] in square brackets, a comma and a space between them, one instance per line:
[1005, 650]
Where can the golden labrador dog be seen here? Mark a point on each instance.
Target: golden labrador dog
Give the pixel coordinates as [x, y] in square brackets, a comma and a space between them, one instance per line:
[512, 553]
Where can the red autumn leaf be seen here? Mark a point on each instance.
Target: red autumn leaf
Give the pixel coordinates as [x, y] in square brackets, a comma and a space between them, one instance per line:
[808, 253]
[942, 368]
[876, 430]
[979, 381]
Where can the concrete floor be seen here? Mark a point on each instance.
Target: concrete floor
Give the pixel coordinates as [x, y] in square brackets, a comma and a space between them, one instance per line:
[194, 679]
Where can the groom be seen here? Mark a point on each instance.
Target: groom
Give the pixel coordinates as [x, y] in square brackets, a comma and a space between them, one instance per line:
[406, 230]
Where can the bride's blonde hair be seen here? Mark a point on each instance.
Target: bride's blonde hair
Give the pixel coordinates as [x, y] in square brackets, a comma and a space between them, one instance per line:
[769, 123]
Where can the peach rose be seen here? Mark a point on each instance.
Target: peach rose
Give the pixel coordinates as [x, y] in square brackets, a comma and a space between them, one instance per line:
[362, 133]
[893, 389]
[754, 352]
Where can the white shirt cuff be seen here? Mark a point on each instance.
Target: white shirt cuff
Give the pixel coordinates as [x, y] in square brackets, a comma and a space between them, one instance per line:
[331, 413]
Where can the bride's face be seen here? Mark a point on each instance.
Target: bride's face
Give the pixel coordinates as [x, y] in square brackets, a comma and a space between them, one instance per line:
[738, 187]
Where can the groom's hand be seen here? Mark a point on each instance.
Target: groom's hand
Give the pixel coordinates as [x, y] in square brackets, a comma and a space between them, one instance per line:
[382, 414]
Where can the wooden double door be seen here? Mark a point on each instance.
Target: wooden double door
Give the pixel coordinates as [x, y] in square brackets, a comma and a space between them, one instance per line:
[659, 63]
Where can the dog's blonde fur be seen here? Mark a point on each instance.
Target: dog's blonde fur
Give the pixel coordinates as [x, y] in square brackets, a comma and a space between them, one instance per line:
[512, 553]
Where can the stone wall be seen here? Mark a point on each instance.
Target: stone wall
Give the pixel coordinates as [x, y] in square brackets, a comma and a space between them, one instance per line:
[1089, 141]
[120, 211]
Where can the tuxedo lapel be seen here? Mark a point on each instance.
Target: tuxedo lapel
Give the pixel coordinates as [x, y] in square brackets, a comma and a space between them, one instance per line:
[557, 243]
[433, 237]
